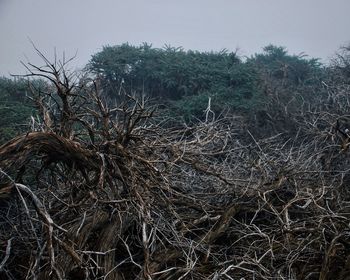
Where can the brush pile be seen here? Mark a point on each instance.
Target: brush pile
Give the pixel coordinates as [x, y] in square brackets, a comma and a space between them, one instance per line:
[96, 191]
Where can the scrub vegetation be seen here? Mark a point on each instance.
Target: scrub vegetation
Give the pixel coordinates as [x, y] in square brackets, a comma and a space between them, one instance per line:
[172, 164]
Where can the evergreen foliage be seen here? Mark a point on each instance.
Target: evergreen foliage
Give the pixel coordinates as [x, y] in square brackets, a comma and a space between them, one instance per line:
[14, 108]
[185, 80]
[182, 82]
[178, 77]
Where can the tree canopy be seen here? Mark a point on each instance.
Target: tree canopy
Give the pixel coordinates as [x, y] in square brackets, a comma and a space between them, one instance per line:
[185, 80]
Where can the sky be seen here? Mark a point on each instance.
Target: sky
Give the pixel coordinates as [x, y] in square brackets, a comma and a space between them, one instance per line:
[82, 27]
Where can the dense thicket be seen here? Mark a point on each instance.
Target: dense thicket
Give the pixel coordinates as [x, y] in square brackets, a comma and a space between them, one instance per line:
[99, 189]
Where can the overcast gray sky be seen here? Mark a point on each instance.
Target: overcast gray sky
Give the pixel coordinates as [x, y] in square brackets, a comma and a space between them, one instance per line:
[316, 27]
